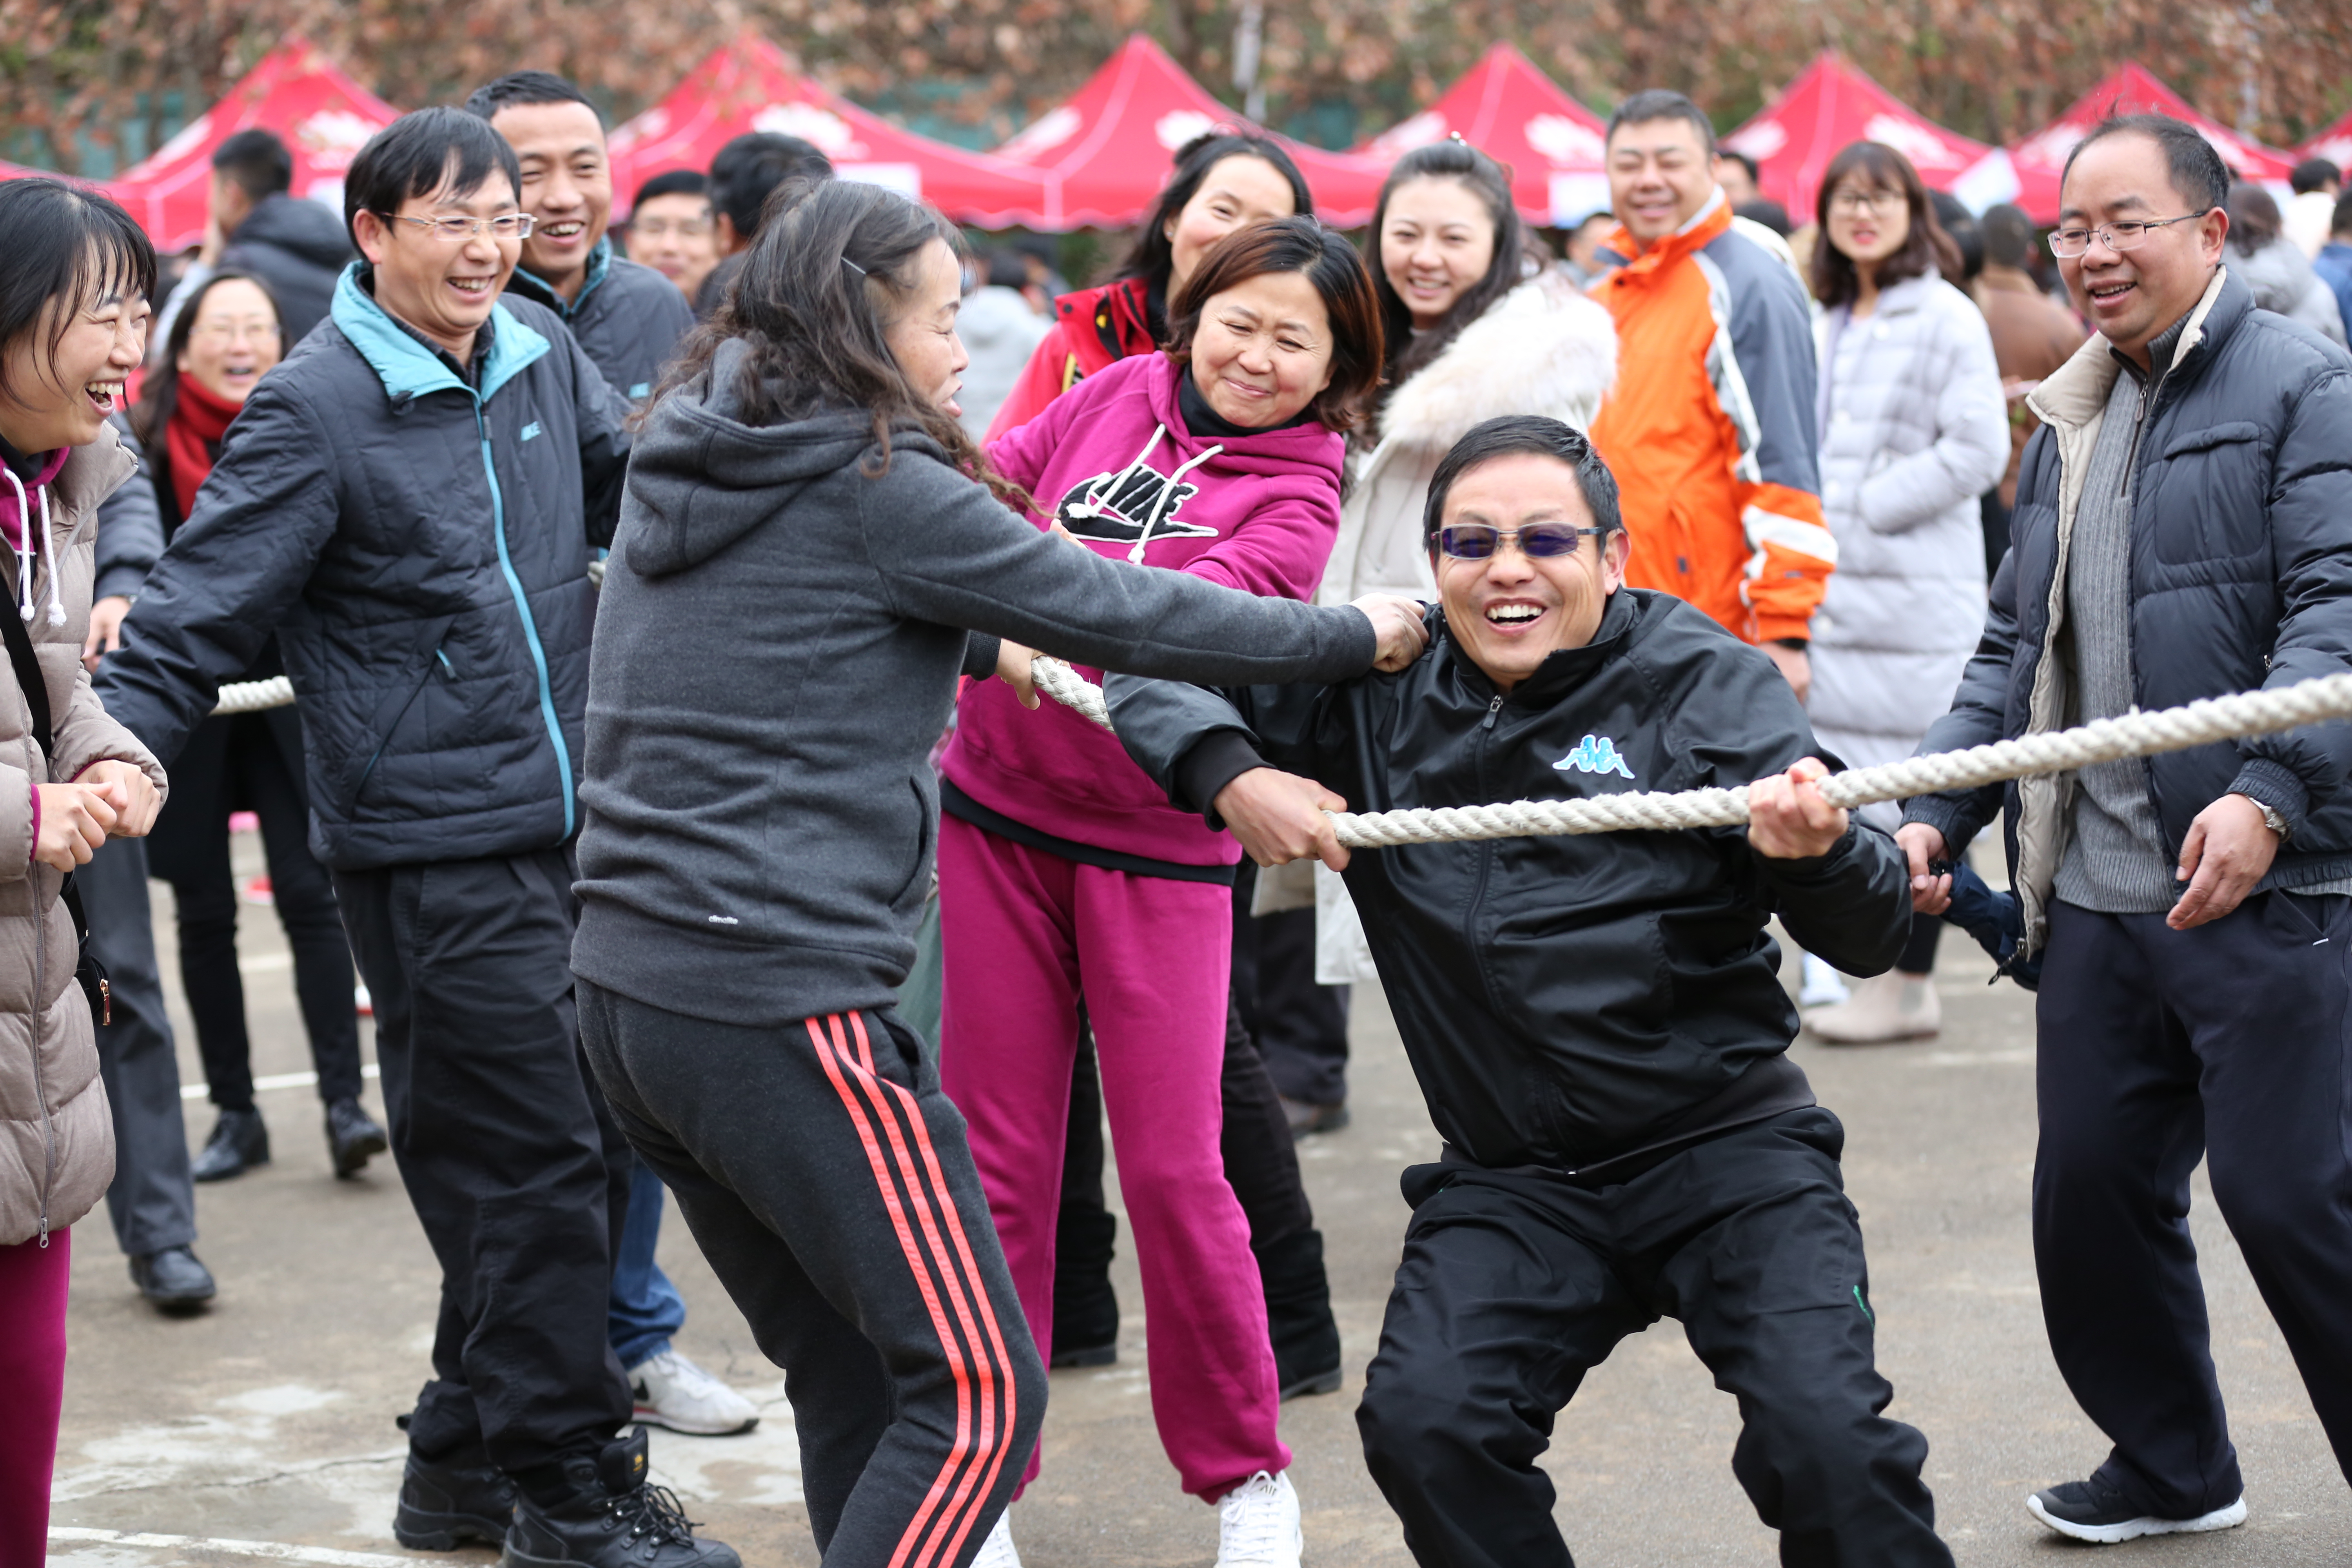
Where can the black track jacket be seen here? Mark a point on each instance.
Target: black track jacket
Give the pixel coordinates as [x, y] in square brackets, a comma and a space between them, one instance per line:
[1565, 1001]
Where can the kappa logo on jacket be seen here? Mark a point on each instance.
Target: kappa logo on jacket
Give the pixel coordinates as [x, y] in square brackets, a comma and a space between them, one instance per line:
[1128, 506]
[1595, 754]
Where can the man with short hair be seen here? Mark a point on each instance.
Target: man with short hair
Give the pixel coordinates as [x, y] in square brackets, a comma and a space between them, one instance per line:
[1596, 1022]
[2310, 212]
[743, 175]
[295, 245]
[1710, 428]
[1735, 173]
[2183, 530]
[409, 500]
[671, 229]
[629, 317]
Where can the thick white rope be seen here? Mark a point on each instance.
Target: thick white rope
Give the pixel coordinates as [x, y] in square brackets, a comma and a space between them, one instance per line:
[253, 696]
[2052, 752]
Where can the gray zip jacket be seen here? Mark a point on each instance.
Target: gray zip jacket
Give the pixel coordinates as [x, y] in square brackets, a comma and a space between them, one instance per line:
[777, 650]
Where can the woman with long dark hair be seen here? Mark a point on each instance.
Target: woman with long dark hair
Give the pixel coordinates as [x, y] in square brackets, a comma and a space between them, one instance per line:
[224, 339]
[811, 552]
[1223, 180]
[1913, 429]
[75, 280]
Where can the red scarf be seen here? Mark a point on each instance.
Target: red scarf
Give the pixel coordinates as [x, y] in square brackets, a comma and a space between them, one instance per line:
[191, 436]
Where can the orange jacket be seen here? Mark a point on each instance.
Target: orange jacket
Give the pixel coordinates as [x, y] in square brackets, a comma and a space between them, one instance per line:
[1711, 428]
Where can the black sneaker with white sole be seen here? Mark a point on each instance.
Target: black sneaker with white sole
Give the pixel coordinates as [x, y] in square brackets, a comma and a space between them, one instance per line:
[2093, 1511]
[445, 1506]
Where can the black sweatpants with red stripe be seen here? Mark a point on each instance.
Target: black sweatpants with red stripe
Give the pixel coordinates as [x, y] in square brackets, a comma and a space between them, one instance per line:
[828, 1182]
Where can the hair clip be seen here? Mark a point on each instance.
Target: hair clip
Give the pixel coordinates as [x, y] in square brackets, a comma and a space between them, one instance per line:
[853, 265]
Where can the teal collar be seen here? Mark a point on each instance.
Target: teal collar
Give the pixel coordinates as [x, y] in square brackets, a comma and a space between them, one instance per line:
[406, 367]
[599, 262]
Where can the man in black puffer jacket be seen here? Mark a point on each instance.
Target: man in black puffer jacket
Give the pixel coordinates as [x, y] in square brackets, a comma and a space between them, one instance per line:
[2183, 530]
[402, 500]
[1596, 1022]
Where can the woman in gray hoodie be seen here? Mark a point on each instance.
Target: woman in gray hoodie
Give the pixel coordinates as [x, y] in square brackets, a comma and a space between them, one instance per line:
[810, 553]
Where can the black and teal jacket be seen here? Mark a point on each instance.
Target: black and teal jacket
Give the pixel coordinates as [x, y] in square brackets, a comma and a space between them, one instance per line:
[417, 534]
[630, 318]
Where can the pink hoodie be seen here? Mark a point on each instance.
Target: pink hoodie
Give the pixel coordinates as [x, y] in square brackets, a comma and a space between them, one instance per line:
[1258, 512]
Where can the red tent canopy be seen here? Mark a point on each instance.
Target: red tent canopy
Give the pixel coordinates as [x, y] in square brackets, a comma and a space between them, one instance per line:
[749, 84]
[1510, 110]
[1828, 108]
[2334, 144]
[1106, 152]
[324, 116]
[2027, 172]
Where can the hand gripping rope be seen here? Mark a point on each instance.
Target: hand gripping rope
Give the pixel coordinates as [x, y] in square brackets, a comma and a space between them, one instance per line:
[2052, 752]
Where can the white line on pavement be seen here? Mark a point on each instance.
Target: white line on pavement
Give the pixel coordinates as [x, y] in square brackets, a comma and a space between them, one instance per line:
[66, 1534]
[275, 1080]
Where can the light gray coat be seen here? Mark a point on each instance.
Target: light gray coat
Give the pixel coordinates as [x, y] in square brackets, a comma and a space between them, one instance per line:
[1913, 429]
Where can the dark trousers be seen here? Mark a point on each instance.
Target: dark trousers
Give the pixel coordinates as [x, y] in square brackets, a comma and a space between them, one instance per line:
[828, 1182]
[2228, 1042]
[228, 763]
[1300, 1028]
[1514, 1285]
[152, 1201]
[511, 1156]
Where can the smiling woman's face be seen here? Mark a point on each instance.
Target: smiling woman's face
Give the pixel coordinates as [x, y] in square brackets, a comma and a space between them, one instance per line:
[62, 398]
[1263, 350]
[233, 341]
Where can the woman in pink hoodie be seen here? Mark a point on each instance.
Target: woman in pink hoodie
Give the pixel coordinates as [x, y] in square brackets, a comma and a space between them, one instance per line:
[1063, 869]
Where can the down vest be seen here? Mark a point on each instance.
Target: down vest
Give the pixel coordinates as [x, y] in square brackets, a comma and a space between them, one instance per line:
[56, 1137]
[1913, 429]
[420, 545]
[2240, 577]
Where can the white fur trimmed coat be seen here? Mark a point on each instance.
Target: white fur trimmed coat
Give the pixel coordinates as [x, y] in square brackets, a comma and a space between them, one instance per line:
[1542, 348]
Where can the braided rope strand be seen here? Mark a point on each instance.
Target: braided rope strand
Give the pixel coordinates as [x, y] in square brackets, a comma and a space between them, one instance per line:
[2198, 723]
[253, 696]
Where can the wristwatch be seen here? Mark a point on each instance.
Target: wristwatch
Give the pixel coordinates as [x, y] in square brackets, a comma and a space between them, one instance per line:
[2271, 818]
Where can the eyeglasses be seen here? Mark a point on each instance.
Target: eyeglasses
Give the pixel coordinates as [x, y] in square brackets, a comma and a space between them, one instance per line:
[231, 331]
[2119, 237]
[658, 227]
[1537, 540]
[459, 230]
[1853, 203]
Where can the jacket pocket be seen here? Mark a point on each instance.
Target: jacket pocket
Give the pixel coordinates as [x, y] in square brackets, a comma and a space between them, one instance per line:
[382, 720]
[2206, 494]
[912, 886]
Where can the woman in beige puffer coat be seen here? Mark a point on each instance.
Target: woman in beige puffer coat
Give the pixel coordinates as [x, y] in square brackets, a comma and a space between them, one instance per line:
[74, 282]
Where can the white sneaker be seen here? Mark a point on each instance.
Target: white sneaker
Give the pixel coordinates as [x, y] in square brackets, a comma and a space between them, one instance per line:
[1823, 986]
[997, 1551]
[1257, 1524]
[673, 1392]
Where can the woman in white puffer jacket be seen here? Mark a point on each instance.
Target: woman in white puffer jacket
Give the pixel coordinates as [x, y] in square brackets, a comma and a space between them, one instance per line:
[1913, 429]
[1471, 336]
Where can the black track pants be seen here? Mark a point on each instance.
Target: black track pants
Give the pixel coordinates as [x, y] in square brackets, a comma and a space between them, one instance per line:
[1514, 1285]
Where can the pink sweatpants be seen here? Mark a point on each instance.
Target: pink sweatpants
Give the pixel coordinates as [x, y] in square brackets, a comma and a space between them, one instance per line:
[33, 1280]
[1023, 933]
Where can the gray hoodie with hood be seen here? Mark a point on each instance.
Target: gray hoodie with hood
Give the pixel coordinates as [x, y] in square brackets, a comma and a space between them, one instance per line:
[776, 653]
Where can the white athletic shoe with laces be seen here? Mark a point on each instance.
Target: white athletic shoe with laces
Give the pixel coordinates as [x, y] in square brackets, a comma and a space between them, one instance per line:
[671, 1391]
[1257, 1524]
[997, 1551]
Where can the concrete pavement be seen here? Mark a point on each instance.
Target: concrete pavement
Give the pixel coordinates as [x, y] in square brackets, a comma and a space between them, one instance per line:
[265, 1427]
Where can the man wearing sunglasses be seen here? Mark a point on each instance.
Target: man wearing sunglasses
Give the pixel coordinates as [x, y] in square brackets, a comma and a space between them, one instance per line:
[409, 499]
[2183, 528]
[1596, 1022]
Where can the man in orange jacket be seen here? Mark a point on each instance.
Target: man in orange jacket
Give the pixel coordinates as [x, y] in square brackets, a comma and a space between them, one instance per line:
[1710, 430]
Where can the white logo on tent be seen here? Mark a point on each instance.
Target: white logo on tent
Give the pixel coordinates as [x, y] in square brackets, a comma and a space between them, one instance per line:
[333, 137]
[1423, 129]
[1564, 141]
[1049, 129]
[1915, 141]
[1179, 126]
[822, 129]
[1759, 141]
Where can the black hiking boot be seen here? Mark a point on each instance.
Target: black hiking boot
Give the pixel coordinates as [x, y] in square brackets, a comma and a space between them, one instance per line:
[464, 1501]
[613, 1519]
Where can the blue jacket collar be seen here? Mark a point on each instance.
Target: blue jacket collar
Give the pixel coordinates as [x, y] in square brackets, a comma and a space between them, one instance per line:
[405, 367]
[599, 262]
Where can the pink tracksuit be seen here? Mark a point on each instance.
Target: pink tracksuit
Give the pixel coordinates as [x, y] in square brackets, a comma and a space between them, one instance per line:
[1026, 931]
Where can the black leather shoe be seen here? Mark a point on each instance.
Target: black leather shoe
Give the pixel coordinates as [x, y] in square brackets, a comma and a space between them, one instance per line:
[352, 1136]
[448, 1505]
[1305, 1121]
[173, 1280]
[613, 1519]
[240, 1141]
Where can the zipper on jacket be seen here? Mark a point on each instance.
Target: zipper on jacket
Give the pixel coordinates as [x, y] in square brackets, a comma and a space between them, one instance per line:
[1493, 711]
[38, 768]
[530, 627]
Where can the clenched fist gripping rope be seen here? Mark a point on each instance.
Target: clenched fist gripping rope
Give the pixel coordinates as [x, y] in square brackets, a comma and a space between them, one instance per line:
[2054, 752]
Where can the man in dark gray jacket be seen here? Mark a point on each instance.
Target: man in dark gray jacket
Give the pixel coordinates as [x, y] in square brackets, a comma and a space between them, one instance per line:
[2183, 530]
[402, 500]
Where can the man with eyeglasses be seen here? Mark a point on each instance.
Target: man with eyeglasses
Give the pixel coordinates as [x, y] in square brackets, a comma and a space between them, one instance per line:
[409, 499]
[1596, 1022]
[2183, 528]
